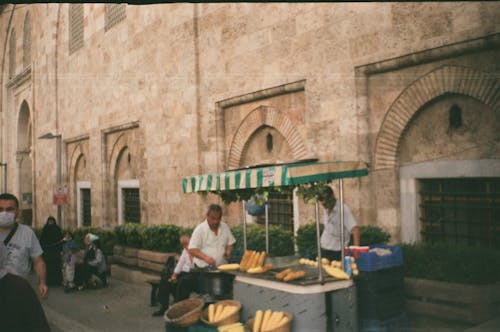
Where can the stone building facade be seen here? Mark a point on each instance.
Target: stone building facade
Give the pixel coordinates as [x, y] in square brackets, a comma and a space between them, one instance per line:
[143, 95]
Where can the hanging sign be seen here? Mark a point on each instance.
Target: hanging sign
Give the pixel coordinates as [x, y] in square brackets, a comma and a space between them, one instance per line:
[60, 194]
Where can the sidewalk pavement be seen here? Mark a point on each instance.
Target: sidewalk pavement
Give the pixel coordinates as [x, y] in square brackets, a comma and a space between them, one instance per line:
[124, 307]
[120, 307]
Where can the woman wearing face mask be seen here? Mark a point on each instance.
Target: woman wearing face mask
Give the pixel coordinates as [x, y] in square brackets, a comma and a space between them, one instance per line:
[22, 244]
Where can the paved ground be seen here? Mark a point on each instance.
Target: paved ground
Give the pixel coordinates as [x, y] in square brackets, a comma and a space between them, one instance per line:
[124, 307]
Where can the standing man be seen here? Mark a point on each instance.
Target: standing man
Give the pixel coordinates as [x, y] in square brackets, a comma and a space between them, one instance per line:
[20, 308]
[21, 242]
[212, 241]
[330, 239]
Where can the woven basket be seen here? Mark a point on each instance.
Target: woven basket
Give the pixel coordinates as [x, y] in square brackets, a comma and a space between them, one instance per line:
[233, 318]
[184, 313]
[283, 328]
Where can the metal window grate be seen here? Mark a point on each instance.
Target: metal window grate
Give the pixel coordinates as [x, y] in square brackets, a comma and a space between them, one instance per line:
[86, 207]
[75, 13]
[131, 205]
[461, 211]
[114, 14]
[280, 211]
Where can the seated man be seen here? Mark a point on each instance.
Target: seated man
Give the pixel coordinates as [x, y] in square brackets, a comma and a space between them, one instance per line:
[181, 283]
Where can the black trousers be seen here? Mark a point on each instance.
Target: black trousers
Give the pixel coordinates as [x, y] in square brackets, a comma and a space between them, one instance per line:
[180, 290]
[331, 254]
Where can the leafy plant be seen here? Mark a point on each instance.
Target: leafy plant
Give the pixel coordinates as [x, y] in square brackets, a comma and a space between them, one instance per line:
[311, 191]
[467, 265]
[162, 238]
[307, 240]
[370, 235]
[280, 241]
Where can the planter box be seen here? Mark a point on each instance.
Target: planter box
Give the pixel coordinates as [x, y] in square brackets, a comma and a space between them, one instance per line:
[149, 261]
[467, 303]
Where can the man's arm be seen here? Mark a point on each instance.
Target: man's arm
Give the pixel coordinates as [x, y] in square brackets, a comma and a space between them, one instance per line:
[41, 272]
[229, 250]
[200, 255]
[356, 235]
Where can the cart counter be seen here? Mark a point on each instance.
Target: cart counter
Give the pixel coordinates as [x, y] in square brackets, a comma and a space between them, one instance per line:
[316, 307]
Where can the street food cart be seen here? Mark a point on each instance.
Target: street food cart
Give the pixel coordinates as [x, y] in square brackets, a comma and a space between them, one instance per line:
[317, 302]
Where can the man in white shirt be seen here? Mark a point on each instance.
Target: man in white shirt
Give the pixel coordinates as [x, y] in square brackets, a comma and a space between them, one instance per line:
[22, 244]
[212, 241]
[330, 238]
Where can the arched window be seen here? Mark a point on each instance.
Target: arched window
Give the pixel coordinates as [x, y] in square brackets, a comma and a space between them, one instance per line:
[12, 54]
[27, 40]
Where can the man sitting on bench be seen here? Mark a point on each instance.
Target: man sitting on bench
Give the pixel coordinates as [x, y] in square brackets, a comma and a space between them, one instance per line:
[181, 283]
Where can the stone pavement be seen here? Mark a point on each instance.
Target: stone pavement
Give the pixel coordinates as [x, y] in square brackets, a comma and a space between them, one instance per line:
[124, 307]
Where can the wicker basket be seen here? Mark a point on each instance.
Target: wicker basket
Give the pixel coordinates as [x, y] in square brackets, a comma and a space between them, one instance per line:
[233, 318]
[283, 328]
[184, 313]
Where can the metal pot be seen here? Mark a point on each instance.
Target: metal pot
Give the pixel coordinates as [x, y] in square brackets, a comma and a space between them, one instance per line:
[215, 283]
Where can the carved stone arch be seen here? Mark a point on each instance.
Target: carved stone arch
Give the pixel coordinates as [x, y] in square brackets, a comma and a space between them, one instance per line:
[24, 129]
[76, 153]
[120, 144]
[446, 79]
[265, 116]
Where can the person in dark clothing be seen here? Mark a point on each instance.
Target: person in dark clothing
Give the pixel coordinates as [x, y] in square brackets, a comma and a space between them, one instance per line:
[177, 281]
[51, 241]
[20, 309]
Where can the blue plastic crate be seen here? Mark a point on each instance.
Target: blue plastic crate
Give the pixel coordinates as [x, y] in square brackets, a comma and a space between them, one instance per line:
[398, 323]
[370, 261]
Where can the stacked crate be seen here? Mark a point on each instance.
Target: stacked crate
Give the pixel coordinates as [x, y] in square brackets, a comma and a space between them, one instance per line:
[380, 291]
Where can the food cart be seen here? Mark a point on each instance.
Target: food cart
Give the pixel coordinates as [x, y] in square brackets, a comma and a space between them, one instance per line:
[317, 302]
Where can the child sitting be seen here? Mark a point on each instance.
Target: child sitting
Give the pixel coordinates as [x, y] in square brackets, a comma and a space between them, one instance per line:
[71, 258]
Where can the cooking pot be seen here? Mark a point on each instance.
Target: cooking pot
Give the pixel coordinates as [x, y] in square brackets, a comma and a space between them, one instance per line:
[216, 283]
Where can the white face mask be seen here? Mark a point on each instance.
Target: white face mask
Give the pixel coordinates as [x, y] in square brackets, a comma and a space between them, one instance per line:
[7, 219]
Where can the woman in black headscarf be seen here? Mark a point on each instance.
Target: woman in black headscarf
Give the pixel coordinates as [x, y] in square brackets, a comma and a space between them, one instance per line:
[51, 241]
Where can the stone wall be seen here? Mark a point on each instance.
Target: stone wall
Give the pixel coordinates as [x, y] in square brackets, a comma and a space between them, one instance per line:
[172, 84]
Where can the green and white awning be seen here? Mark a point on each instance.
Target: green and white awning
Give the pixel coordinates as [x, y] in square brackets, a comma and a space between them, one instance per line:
[291, 174]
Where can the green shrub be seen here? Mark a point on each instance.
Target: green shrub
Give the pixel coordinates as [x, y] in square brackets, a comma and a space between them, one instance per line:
[130, 235]
[467, 265]
[280, 240]
[370, 235]
[307, 240]
[162, 238]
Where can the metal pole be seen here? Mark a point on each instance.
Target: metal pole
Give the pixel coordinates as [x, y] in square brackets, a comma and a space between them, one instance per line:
[267, 229]
[4, 165]
[244, 227]
[59, 166]
[341, 196]
[318, 243]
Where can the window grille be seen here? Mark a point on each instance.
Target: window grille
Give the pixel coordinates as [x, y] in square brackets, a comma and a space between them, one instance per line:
[114, 14]
[86, 207]
[131, 205]
[12, 54]
[461, 211]
[280, 211]
[27, 40]
[75, 27]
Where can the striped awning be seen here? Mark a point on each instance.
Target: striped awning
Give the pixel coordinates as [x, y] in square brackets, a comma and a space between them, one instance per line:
[291, 174]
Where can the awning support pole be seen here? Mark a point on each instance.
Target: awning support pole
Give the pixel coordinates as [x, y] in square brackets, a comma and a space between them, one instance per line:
[342, 243]
[244, 227]
[267, 229]
[318, 243]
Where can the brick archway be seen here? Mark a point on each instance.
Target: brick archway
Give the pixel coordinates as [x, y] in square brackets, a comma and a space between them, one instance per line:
[265, 115]
[447, 79]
